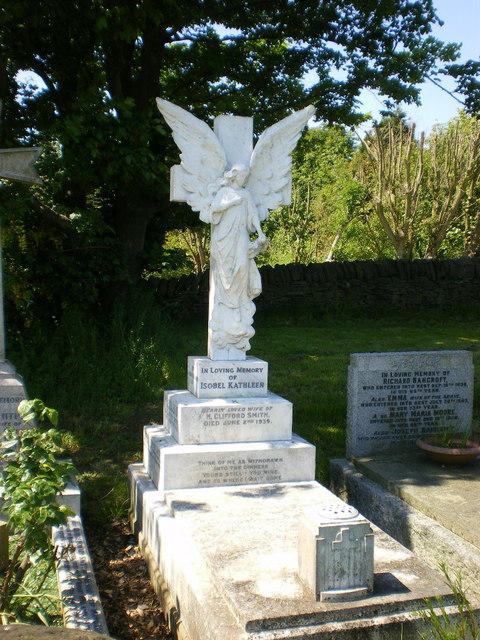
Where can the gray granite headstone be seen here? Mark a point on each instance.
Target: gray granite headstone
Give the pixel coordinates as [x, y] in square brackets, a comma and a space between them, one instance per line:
[394, 398]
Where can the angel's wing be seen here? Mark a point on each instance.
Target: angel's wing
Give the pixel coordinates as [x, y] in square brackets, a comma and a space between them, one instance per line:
[270, 180]
[202, 157]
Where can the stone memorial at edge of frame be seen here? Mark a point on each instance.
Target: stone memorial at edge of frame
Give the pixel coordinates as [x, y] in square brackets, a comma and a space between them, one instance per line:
[395, 398]
[12, 392]
[18, 165]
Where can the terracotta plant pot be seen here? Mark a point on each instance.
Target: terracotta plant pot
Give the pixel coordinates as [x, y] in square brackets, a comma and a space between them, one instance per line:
[466, 451]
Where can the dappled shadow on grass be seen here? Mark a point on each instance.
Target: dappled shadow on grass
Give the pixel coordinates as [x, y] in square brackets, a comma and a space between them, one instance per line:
[104, 449]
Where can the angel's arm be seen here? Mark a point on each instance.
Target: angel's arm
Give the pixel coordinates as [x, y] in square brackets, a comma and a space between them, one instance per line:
[224, 199]
[253, 217]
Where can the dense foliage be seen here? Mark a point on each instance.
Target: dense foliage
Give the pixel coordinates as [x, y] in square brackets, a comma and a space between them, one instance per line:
[393, 193]
[98, 222]
[32, 478]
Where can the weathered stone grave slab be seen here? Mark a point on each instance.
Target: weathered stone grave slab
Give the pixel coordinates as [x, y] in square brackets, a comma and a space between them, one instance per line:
[394, 398]
[228, 558]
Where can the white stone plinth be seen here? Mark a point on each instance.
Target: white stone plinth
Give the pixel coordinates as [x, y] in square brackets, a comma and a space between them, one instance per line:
[227, 378]
[192, 420]
[335, 553]
[175, 466]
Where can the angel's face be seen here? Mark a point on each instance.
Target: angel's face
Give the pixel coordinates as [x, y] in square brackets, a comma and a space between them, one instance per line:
[237, 175]
[241, 178]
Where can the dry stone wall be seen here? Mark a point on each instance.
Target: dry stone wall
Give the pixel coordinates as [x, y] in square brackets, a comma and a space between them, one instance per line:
[361, 285]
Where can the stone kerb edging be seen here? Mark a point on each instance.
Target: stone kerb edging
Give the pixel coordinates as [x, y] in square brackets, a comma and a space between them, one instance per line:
[78, 590]
[81, 604]
[82, 608]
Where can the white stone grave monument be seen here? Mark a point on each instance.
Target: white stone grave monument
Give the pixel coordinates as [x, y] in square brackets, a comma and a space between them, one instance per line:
[18, 165]
[224, 485]
[228, 428]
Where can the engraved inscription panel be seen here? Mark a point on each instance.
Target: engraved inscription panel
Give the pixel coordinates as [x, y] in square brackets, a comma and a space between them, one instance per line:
[194, 420]
[174, 466]
[240, 469]
[227, 379]
[397, 404]
[9, 416]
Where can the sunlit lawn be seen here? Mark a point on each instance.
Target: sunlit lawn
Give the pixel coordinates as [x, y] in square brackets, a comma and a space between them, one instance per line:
[308, 356]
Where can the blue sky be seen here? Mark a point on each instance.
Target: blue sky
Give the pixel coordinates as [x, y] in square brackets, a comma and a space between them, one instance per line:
[461, 25]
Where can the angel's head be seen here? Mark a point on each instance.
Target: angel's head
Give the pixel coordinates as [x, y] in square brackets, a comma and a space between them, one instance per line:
[237, 175]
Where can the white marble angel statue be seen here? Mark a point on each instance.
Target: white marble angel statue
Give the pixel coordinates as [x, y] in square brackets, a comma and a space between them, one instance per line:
[233, 188]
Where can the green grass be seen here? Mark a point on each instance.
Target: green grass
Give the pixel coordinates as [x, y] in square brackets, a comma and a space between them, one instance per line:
[309, 357]
[37, 601]
[108, 381]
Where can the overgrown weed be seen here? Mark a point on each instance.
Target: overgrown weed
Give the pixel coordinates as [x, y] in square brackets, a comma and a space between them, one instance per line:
[464, 625]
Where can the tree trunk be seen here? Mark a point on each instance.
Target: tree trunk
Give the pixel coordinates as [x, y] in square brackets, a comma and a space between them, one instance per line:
[132, 215]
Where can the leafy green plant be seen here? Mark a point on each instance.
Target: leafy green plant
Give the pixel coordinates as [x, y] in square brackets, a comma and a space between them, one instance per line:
[32, 479]
[442, 626]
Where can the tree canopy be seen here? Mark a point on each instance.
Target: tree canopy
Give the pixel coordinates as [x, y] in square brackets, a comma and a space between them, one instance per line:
[103, 62]
[397, 194]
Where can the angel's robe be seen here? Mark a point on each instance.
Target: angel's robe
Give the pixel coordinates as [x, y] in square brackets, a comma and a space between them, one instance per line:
[235, 279]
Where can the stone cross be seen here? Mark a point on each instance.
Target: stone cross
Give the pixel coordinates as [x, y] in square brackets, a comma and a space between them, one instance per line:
[236, 137]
